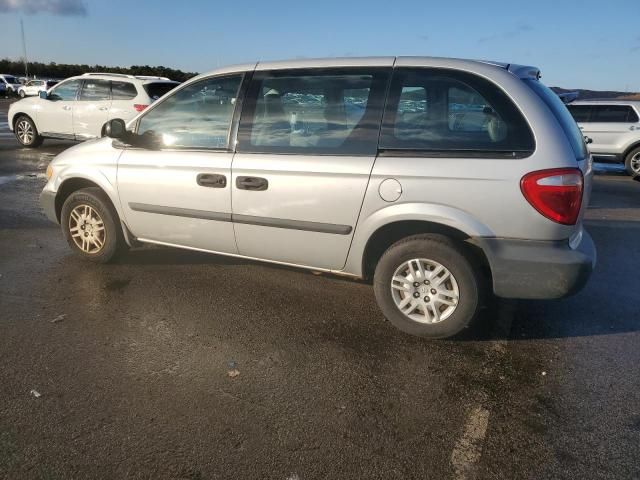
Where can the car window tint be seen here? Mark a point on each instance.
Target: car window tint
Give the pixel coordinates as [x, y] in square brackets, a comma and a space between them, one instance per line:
[197, 116]
[613, 113]
[447, 110]
[559, 110]
[580, 113]
[158, 89]
[95, 90]
[65, 91]
[123, 90]
[323, 111]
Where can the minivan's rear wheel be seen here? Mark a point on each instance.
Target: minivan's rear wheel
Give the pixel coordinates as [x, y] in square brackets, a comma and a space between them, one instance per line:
[91, 225]
[26, 132]
[426, 286]
[632, 162]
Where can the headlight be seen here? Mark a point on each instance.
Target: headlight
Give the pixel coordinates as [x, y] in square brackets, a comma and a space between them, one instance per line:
[49, 172]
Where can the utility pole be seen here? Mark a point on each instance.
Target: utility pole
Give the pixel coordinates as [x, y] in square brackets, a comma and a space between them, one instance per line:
[24, 51]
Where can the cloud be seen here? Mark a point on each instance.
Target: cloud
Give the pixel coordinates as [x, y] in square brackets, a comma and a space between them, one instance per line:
[514, 32]
[54, 7]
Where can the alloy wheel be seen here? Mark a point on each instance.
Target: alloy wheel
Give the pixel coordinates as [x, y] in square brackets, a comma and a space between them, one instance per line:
[87, 229]
[26, 132]
[635, 163]
[425, 291]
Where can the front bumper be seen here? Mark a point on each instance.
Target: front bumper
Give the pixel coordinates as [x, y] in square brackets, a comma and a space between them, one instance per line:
[48, 204]
[538, 270]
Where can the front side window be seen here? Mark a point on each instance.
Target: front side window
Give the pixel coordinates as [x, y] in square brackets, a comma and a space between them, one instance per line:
[197, 116]
[65, 91]
[613, 114]
[313, 111]
[581, 113]
[95, 90]
[443, 110]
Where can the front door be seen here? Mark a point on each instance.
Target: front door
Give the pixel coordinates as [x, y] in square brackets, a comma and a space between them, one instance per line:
[91, 111]
[55, 115]
[307, 144]
[179, 193]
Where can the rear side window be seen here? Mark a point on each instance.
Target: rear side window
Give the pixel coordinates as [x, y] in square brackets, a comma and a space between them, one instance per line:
[580, 113]
[449, 112]
[156, 90]
[123, 91]
[564, 118]
[613, 114]
[95, 90]
[316, 111]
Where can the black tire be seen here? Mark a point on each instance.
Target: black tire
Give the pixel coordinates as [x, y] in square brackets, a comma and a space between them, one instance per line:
[630, 163]
[113, 242]
[36, 139]
[21, 94]
[445, 252]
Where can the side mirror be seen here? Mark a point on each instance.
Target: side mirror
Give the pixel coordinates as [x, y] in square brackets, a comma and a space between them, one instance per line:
[43, 95]
[115, 128]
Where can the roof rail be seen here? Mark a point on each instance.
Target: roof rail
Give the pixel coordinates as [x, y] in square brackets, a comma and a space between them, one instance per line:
[150, 77]
[108, 74]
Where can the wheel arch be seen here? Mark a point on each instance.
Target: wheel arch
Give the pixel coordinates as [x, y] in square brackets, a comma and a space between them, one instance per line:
[73, 184]
[629, 149]
[17, 115]
[388, 234]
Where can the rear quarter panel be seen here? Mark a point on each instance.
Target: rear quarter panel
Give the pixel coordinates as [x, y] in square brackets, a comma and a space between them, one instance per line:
[479, 196]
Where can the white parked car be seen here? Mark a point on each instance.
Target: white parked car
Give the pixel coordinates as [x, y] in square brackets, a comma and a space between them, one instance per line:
[10, 82]
[34, 87]
[78, 107]
[613, 127]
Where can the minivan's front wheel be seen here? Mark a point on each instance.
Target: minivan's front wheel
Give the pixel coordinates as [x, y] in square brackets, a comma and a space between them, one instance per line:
[91, 226]
[426, 286]
[26, 132]
[632, 162]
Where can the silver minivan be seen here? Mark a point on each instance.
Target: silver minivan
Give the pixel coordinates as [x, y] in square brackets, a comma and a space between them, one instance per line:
[439, 180]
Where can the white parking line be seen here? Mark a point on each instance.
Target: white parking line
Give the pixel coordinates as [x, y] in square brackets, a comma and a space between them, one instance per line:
[468, 449]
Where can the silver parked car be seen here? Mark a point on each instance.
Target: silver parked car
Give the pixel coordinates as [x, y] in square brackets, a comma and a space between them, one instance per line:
[438, 179]
[614, 129]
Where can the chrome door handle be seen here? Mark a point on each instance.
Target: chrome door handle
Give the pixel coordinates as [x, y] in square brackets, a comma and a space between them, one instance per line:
[257, 184]
[66, 107]
[632, 128]
[103, 108]
[211, 180]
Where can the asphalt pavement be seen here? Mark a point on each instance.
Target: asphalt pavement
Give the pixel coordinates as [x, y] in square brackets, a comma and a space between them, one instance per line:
[176, 364]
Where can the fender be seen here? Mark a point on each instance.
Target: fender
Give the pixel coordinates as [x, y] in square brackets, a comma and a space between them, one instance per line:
[98, 166]
[434, 213]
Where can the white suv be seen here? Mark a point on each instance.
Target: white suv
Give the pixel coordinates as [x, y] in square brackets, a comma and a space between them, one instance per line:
[78, 107]
[614, 129]
[34, 87]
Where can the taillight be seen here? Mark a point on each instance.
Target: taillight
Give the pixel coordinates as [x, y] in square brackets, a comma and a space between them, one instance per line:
[555, 193]
[139, 107]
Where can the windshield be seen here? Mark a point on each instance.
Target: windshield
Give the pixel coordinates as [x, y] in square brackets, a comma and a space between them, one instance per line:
[10, 79]
[566, 121]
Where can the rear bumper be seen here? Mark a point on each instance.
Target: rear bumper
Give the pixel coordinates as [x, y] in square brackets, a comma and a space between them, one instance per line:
[48, 204]
[538, 270]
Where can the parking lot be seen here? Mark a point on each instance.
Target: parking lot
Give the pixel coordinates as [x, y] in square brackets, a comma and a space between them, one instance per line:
[176, 364]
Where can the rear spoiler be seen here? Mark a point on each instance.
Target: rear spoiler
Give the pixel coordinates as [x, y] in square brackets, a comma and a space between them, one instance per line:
[524, 71]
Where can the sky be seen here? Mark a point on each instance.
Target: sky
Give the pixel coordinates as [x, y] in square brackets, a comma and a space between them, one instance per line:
[587, 44]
